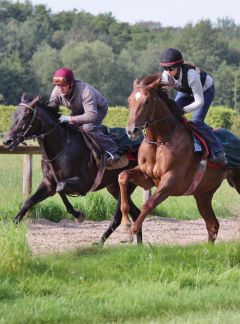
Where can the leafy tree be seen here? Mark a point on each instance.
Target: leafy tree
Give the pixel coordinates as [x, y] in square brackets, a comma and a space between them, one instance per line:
[16, 79]
[15, 10]
[44, 62]
[201, 46]
[91, 62]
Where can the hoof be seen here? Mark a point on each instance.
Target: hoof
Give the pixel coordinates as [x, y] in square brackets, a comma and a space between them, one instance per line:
[80, 218]
[98, 243]
[127, 237]
[16, 221]
[125, 228]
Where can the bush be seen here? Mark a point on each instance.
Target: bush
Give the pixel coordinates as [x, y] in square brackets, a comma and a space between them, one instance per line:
[5, 117]
[220, 117]
[235, 128]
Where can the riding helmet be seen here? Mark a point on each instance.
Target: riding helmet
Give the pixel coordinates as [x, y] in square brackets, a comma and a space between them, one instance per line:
[171, 57]
[63, 76]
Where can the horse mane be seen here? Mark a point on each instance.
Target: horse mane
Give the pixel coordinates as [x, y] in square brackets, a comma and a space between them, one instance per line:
[150, 79]
[54, 114]
[42, 102]
[159, 88]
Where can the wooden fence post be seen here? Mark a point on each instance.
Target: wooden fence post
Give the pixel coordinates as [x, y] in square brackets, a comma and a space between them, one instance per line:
[27, 175]
[27, 152]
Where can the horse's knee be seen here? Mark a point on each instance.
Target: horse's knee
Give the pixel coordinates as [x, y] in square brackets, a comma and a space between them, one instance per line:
[122, 177]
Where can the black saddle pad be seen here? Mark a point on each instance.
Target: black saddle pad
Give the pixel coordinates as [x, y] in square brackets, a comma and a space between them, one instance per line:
[231, 144]
[119, 135]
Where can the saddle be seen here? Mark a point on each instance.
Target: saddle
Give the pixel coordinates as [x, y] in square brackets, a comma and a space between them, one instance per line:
[126, 151]
[199, 137]
[126, 147]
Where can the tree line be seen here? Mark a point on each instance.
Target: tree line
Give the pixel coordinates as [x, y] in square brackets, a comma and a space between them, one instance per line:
[106, 53]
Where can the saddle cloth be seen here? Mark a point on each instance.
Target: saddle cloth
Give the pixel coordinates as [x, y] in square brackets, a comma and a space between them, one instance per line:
[126, 146]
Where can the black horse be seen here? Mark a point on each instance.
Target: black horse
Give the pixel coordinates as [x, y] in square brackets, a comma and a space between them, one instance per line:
[66, 159]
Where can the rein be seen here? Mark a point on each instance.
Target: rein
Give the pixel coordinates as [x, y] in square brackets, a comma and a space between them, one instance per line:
[148, 123]
[41, 137]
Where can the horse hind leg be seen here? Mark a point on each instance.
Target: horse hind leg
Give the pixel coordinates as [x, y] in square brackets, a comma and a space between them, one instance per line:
[79, 216]
[204, 204]
[233, 179]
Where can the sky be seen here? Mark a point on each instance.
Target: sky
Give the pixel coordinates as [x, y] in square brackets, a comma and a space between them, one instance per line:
[175, 13]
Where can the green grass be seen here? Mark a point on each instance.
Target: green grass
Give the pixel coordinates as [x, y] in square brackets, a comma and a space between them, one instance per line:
[146, 284]
[99, 205]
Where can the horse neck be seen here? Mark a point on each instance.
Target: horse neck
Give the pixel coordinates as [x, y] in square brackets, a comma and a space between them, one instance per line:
[164, 122]
[54, 136]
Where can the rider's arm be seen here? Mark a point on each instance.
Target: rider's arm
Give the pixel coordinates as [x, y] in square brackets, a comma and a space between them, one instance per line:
[54, 101]
[195, 84]
[89, 104]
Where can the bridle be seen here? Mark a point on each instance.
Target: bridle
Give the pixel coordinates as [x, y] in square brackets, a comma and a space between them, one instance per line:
[41, 134]
[155, 98]
[149, 123]
[35, 116]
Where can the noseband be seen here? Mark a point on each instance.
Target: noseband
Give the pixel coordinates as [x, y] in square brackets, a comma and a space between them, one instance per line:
[150, 123]
[42, 136]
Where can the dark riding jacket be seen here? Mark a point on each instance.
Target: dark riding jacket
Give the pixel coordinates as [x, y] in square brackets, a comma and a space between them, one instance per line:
[184, 86]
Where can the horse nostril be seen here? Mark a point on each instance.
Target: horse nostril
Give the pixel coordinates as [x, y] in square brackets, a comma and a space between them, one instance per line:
[136, 129]
[7, 142]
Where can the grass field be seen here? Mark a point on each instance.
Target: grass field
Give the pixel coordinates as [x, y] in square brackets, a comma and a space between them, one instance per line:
[146, 284]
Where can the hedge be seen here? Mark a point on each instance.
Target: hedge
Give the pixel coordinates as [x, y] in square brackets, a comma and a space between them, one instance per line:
[118, 116]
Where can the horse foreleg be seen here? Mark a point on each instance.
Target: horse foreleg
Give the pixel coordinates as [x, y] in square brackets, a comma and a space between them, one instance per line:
[164, 190]
[76, 213]
[204, 204]
[44, 191]
[136, 177]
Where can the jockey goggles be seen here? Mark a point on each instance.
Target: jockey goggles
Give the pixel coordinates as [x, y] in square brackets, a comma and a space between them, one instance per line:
[171, 68]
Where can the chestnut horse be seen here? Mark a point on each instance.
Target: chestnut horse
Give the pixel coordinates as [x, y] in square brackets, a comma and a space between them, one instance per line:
[166, 158]
[66, 159]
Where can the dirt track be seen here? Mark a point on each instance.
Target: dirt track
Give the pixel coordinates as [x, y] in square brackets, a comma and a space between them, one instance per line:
[48, 237]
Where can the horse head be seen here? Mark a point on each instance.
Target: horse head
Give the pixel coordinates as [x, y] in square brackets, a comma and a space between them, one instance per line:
[26, 122]
[142, 102]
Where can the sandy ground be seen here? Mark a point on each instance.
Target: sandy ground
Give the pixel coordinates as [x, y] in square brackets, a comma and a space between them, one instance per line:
[48, 237]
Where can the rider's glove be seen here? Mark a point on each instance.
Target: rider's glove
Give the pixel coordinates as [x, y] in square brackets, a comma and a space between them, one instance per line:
[64, 119]
[182, 111]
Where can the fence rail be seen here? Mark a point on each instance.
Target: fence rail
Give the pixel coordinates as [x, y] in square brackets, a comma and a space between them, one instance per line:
[28, 151]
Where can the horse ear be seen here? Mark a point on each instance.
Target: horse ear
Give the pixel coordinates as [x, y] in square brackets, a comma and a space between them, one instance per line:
[135, 83]
[155, 83]
[34, 101]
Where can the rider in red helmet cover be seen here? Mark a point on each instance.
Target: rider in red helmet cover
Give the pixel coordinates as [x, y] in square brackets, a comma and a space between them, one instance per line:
[88, 107]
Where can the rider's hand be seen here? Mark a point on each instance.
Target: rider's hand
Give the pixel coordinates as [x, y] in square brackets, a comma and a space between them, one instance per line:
[64, 119]
[182, 111]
